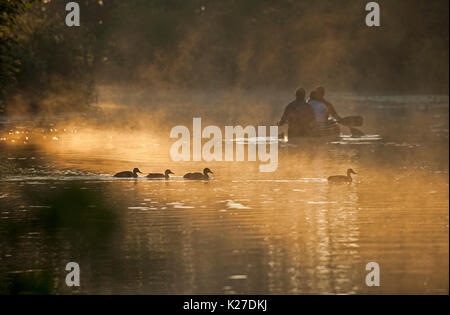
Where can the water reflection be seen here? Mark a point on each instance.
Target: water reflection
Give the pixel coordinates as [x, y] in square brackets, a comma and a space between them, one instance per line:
[242, 232]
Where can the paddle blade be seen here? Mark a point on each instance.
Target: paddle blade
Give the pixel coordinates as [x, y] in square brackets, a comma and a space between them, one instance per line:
[356, 132]
[354, 121]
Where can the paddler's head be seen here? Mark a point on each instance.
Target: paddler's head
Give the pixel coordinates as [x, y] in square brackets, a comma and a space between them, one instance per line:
[320, 92]
[313, 95]
[300, 94]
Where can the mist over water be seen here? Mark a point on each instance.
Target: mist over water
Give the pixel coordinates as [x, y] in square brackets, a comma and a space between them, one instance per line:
[241, 232]
[164, 47]
[78, 105]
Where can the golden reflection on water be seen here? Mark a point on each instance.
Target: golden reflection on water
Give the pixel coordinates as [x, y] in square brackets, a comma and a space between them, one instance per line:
[244, 231]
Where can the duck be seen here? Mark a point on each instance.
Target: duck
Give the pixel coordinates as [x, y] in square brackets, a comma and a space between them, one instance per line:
[128, 173]
[342, 178]
[159, 175]
[198, 175]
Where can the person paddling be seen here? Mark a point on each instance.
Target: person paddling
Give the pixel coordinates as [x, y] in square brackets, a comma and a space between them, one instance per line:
[322, 108]
[299, 116]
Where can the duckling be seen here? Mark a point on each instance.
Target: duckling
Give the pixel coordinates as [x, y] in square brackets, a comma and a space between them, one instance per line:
[159, 175]
[128, 173]
[198, 175]
[342, 178]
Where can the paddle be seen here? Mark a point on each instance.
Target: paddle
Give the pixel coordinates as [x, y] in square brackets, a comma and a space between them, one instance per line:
[351, 122]
[356, 132]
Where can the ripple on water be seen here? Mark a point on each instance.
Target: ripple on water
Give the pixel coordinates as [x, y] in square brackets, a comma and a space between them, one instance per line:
[179, 205]
[139, 208]
[230, 204]
[238, 277]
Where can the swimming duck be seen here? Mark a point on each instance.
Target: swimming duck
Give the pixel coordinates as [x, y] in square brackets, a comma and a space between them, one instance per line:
[159, 175]
[198, 175]
[342, 178]
[128, 173]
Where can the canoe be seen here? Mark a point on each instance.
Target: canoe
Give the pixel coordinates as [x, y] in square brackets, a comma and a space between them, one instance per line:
[328, 132]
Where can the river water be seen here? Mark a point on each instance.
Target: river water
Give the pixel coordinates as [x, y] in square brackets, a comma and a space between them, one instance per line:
[243, 231]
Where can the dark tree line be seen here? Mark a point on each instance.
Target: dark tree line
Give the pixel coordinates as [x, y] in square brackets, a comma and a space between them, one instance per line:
[9, 65]
[45, 65]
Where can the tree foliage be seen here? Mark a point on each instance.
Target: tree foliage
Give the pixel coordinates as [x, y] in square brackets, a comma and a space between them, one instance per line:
[9, 64]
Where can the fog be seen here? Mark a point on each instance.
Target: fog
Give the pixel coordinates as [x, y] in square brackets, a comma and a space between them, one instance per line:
[79, 104]
[222, 55]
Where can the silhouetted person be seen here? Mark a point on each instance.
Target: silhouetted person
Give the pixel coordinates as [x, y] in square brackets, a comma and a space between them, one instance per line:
[322, 108]
[300, 117]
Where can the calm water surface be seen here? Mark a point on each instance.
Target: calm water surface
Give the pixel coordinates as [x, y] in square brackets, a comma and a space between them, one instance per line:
[287, 232]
